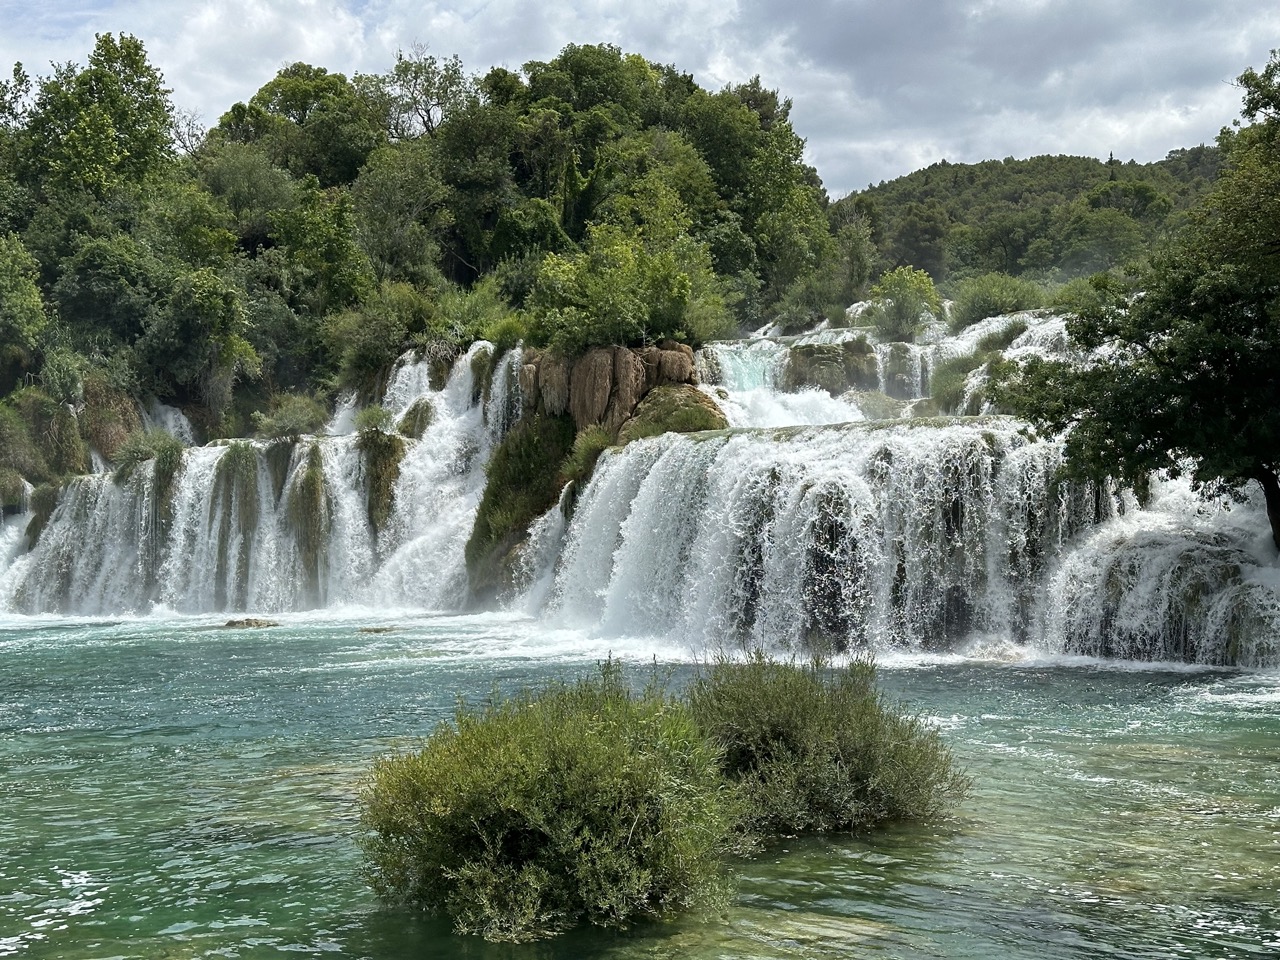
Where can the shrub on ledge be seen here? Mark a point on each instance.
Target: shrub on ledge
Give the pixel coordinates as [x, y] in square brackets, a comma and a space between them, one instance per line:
[582, 803]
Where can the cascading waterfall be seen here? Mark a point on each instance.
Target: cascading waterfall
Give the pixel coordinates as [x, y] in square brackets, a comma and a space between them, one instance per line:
[280, 525]
[800, 526]
[839, 536]
[744, 376]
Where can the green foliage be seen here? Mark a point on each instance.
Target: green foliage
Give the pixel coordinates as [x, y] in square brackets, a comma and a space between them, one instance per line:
[902, 298]
[374, 419]
[948, 379]
[400, 212]
[292, 415]
[143, 445]
[523, 482]
[587, 447]
[52, 427]
[1051, 216]
[817, 749]
[100, 127]
[22, 313]
[367, 340]
[383, 452]
[1185, 375]
[250, 186]
[109, 416]
[18, 450]
[992, 295]
[630, 285]
[308, 121]
[583, 802]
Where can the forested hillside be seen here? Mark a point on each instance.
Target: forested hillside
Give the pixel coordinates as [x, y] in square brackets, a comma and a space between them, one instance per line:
[1047, 217]
[251, 273]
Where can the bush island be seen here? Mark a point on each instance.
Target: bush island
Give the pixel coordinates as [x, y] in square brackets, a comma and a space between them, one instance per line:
[991, 295]
[816, 749]
[901, 300]
[585, 802]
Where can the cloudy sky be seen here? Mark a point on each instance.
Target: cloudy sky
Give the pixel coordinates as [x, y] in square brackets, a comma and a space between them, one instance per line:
[880, 87]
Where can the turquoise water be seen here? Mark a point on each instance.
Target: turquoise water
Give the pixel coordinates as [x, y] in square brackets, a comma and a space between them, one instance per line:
[172, 789]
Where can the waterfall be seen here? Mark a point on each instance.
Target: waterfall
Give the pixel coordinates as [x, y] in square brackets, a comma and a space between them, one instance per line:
[281, 525]
[744, 377]
[802, 526]
[831, 537]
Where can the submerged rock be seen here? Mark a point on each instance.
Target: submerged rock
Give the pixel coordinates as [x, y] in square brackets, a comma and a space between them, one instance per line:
[246, 623]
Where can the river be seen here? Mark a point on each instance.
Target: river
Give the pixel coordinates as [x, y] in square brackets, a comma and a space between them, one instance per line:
[177, 789]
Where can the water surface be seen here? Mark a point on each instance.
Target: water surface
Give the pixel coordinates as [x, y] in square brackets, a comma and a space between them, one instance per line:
[177, 789]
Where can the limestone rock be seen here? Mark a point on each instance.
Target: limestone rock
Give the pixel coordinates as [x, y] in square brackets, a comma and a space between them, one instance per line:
[679, 408]
[529, 386]
[553, 384]
[590, 387]
[629, 380]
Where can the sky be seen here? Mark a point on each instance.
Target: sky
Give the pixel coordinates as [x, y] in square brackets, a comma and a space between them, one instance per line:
[879, 87]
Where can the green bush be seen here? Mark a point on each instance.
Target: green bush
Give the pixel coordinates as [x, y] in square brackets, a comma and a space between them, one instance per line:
[374, 419]
[291, 416]
[948, 378]
[1002, 338]
[587, 447]
[526, 816]
[901, 299]
[819, 749]
[991, 295]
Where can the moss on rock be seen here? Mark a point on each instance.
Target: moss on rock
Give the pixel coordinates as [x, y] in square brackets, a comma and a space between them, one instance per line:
[382, 455]
[523, 481]
[417, 419]
[44, 500]
[309, 518]
[675, 408]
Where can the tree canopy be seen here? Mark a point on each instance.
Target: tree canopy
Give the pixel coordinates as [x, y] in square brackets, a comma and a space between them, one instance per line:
[1183, 363]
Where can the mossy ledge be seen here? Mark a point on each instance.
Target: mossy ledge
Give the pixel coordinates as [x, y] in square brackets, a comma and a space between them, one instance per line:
[382, 455]
[524, 480]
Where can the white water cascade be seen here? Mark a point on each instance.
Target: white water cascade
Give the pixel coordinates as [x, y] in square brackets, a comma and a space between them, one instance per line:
[280, 525]
[802, 526]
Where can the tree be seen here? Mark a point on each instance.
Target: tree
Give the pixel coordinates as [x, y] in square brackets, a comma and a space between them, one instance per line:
[22, 315]
[101, 126]
[1184, 376]
[902, 298]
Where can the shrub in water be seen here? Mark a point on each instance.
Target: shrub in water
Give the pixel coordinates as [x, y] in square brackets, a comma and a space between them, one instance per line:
[584, 802]
[816, 749]
[991, 295]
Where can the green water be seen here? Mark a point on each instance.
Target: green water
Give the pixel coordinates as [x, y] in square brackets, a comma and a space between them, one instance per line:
[171, 789]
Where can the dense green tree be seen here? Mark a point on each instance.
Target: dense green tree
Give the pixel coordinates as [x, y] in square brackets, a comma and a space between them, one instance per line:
[1185, 375]
[308, 121]
[97, 127]
[400, 211]
[243, 177]
[22, 313]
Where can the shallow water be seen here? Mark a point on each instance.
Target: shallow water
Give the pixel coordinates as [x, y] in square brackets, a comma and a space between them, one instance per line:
[176, 789]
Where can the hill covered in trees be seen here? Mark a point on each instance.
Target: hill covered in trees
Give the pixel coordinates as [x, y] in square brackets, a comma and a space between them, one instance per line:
[1050, 217]
[251, 272]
